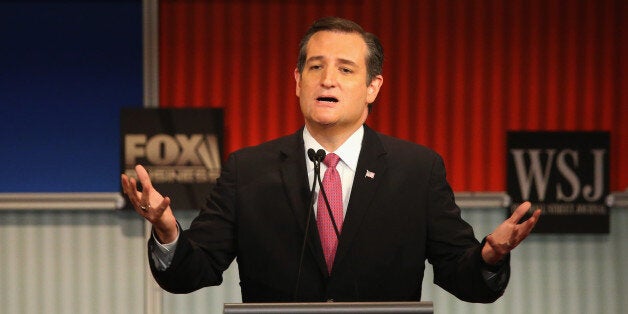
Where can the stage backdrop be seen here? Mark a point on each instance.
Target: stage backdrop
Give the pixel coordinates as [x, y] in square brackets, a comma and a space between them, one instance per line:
[458, 74]
[66, 69]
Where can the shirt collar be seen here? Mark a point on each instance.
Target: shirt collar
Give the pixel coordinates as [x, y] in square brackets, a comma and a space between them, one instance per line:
[349, 151]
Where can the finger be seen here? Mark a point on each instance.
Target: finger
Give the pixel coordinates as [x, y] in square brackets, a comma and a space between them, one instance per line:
[145, 196]
[536, 214]
[134, 194]
[163, 205]
[143, 176]
[126, 186]
[144, 179]
[534, 218]
[133, 188]
[531, 222]
[125, 183]
[527, 226]
[520, 211]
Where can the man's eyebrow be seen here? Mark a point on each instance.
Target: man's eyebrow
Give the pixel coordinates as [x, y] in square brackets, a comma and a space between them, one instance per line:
[348, 62]
[341, 61]
[315, 58]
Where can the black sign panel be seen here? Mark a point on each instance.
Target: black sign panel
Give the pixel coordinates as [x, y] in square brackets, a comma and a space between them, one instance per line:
[565, 174]
[180, 149]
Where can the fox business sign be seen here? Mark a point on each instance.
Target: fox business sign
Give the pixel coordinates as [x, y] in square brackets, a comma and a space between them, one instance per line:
[565, 174]
[180, 149]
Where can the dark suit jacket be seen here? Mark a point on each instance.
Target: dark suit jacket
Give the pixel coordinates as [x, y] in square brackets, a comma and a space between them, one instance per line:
[396, 220]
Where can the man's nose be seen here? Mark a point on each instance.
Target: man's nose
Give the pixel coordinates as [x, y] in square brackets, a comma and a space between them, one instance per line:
[329, 77]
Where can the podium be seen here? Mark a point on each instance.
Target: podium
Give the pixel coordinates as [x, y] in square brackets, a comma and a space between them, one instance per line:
[331, 308]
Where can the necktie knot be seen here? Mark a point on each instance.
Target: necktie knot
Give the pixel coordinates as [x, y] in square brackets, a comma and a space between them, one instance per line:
[331, 160]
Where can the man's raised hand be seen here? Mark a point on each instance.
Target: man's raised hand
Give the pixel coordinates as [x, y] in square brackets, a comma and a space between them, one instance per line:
[509, 234]
[150, 204]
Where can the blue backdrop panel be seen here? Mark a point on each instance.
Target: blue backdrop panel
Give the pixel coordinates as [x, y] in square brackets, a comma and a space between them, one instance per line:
[66, 69]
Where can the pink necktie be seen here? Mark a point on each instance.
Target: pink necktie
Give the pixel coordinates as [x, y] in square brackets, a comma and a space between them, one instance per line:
[333, 190]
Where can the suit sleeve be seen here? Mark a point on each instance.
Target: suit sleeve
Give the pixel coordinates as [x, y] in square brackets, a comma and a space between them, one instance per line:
[452, 248]
[208, 247]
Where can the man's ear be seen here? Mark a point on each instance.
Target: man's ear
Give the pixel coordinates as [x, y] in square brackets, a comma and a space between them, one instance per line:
[373, 88]
[297, 79]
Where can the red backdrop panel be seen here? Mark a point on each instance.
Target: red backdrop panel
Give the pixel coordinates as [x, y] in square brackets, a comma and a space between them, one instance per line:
[458, 74]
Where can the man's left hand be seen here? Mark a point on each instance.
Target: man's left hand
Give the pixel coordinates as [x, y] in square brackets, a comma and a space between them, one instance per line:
[509, 234]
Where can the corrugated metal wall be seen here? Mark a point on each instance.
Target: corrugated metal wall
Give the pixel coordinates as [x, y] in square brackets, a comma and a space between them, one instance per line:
[458, 74]
[71, 262]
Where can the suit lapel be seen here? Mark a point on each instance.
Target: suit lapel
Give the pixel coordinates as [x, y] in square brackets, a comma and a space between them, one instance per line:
[370, 170]
[295, 181]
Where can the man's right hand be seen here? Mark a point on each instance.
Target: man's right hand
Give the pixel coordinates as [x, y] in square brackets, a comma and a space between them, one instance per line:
[151, 205]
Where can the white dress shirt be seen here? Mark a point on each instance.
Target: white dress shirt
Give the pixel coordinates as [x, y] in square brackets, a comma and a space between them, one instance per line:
[349, 152]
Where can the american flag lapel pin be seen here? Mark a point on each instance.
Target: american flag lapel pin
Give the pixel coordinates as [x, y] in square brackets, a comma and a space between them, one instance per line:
[369, 174]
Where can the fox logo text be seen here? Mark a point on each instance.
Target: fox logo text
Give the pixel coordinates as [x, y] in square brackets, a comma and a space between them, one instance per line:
[183, 158]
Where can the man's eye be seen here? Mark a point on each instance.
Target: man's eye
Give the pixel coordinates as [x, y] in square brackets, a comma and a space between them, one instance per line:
[346, 70]
[315, 67]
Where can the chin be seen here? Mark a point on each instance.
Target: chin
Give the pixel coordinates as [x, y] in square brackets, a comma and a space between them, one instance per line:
[326, 119]
[324, 123]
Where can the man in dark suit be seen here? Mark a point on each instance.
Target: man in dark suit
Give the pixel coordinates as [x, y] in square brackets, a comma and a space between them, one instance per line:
[390, 200]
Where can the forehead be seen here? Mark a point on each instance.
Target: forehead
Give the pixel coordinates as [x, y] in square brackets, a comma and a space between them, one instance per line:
[337, 45]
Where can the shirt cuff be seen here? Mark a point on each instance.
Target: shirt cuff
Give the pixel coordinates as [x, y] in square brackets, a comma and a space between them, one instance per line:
[496, 276]
[162, 254]
[167, 247]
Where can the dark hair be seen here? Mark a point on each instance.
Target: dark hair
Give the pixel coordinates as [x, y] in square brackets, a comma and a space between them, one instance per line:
[375, 57]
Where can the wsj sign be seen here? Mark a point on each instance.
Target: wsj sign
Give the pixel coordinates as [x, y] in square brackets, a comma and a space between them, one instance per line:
[180, 148]
[566, 174]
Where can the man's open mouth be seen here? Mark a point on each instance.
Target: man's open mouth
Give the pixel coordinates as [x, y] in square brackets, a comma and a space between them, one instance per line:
[327, 99]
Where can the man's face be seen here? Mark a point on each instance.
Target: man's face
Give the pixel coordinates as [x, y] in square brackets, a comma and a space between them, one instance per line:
[332, 88]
